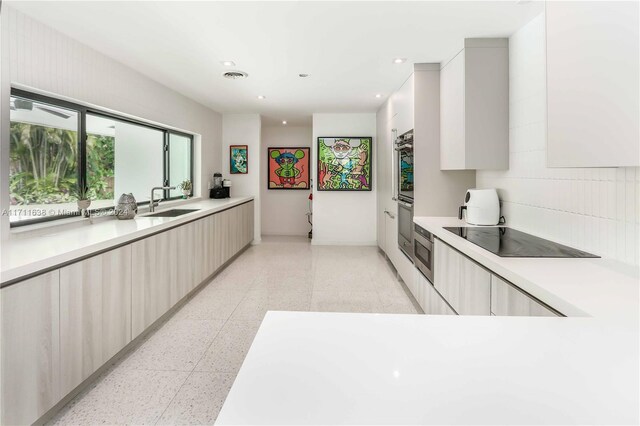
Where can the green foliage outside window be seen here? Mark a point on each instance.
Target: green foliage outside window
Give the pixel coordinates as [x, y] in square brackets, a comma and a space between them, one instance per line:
[100, 166]
[44, 165]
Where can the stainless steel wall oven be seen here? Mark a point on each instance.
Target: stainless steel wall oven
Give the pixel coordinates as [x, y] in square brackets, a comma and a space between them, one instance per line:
[403, 146]
[405, 228]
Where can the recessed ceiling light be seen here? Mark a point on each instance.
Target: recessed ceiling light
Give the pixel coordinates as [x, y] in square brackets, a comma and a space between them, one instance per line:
[378, 95]
[261, 97]
[228, 63]
[399, 60]
[284, 122]
[303, 75]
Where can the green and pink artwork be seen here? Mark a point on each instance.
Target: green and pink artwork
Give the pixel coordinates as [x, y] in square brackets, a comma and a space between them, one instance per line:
[288, 168]
[344, 164]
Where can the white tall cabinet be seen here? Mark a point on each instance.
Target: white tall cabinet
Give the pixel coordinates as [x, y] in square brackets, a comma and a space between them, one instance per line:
[415, 105]
[593, 74]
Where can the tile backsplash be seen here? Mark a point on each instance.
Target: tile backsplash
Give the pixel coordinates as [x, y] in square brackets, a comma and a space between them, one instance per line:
[593, 209]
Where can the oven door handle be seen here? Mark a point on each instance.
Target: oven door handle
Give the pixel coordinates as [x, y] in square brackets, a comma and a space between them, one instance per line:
[405, 204]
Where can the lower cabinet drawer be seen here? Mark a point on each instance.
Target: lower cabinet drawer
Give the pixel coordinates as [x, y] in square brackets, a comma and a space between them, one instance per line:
[508, 300]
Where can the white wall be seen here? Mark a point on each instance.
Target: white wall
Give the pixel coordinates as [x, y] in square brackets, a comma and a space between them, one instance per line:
[244, 129]
[5, 88]
[284, 211]
[596, 209]
[344, 218]
[50, 62]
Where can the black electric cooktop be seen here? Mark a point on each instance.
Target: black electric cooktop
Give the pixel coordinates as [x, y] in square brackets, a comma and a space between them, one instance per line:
[507, 242]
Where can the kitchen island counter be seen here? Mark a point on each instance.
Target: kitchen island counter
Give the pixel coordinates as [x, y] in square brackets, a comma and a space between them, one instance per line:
[329, 368]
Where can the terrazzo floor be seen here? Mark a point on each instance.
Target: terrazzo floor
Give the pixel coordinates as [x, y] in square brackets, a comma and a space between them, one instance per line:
[181, 373]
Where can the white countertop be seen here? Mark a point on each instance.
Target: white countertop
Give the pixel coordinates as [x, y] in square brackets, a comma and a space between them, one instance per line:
[328, 368]
[26, 255]
[599, 288]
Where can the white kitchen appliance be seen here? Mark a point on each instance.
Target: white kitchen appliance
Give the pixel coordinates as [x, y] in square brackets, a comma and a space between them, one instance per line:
[482, 207]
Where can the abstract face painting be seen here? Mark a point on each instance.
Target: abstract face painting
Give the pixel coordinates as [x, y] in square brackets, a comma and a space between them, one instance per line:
[288, 168]
[239, 159]
[344, 164]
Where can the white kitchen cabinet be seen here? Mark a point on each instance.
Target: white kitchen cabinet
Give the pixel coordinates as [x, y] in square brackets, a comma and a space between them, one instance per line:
[83, 314]
[474, 107]
[508, 300]
[403, 107]
[153, 279]
[592, 83]
[30, 365]
[95, 314]
[391, 230]
[187, 257]
[248, 224]
[383, 170]
[168, 265]
[464, 284]
[222, 237]
[203, 249]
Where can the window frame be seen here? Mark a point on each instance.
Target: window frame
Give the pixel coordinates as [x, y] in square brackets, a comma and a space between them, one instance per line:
[82, 111]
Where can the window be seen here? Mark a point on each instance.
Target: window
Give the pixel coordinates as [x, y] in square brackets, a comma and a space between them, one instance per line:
[50, 159]
[43, 159]
[123, 157]
[179, 161]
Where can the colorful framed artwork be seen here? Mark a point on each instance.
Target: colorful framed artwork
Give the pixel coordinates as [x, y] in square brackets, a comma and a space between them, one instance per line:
[239, 159]
[288, 168]
[344, 164]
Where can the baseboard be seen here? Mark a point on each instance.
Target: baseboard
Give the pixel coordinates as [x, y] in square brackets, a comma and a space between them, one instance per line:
[316, 242]
[285, 234]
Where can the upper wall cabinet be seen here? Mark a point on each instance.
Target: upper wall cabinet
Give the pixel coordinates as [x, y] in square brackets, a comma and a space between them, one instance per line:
[474, 107]
[403, 107]
[592, 84]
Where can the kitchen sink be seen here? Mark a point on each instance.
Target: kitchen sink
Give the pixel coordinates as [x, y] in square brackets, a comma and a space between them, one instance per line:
[172, 213]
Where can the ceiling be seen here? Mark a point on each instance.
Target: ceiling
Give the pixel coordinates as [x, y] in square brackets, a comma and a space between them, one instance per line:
[347, 48]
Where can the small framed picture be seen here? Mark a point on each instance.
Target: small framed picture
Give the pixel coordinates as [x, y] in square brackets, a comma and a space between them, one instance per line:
[288, 168]
[239, 159]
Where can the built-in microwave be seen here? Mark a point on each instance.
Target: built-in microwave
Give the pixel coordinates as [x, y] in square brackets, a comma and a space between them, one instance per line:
[423, 252]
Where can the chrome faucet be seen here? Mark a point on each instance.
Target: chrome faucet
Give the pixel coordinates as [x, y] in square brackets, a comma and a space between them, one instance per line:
[153, 204]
